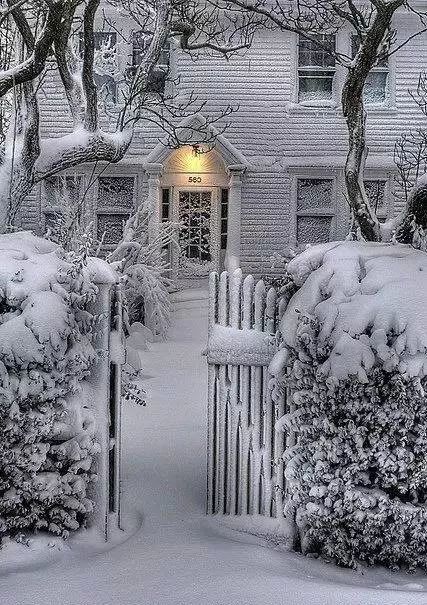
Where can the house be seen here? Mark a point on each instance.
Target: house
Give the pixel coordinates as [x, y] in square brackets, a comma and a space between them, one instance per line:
[274, 176]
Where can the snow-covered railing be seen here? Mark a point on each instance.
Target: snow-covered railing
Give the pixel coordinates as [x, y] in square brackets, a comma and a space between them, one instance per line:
[245, 470]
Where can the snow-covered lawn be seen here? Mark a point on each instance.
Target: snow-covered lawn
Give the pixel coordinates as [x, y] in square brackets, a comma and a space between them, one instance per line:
[174, 554]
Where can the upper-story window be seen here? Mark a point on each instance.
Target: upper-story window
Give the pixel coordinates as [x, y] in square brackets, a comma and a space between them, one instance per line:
[105, 63]
[315, 210]
[316, 68]
[157, 80]
[376, 85]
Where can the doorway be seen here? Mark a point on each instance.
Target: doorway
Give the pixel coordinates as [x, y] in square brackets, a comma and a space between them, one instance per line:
[195, 210]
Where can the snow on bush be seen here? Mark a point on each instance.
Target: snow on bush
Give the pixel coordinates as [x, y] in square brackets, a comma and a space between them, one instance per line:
[146, 273]
[355, 347]
[47, 438]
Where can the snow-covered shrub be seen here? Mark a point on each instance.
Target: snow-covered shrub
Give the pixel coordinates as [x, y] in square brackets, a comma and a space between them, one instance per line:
[47, 442]
[146, 274]
[355, 349]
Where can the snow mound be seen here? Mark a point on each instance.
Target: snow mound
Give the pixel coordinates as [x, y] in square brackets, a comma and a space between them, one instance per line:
[47, 433]
[371, 303]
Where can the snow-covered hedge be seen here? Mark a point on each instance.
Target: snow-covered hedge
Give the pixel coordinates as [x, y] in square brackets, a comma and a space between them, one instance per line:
[47, 441]
[355, 346]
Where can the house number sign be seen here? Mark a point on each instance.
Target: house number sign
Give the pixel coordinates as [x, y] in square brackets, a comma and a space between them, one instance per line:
[194, 179]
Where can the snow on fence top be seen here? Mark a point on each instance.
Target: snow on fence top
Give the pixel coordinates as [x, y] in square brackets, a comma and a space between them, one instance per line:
[371, 304]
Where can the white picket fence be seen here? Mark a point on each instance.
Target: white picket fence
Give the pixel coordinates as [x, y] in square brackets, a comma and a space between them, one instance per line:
[245, 469]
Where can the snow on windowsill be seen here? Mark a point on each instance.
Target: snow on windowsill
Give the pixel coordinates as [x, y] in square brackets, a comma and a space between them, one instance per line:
[307, 105]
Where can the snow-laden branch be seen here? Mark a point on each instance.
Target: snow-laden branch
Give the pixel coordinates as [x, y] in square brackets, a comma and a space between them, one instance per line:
[79, 147]
[33, 65]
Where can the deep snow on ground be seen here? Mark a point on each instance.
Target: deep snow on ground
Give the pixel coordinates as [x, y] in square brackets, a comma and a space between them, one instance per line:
[174, 554]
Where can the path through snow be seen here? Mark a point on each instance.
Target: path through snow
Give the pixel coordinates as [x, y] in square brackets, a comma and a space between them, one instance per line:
[178, 556]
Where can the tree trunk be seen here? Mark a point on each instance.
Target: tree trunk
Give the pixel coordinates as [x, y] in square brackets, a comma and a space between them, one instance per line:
[355, 117]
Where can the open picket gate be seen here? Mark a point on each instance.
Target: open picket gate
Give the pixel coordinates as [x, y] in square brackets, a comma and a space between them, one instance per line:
[245, 468]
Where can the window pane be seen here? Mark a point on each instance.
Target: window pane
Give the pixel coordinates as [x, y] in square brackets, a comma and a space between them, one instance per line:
[52, 220]
[375, 91]
[194, 218]
[110, 227]
[314, 194]
[157, 80]
[165, 204]
[105, 40]
[140, 42]
[311, 54]
[315, 86]
[106, 86]
[313, 229]
[62, 190]
[375, 191]
[115, 192]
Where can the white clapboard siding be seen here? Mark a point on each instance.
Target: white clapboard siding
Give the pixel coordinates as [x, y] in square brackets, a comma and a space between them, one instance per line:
[245, 471]
[269, 128]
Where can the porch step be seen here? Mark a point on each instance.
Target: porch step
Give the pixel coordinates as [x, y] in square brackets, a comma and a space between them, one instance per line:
[194, 298]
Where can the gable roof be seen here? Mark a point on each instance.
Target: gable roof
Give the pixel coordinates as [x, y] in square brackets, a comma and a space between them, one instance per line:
[186, 129]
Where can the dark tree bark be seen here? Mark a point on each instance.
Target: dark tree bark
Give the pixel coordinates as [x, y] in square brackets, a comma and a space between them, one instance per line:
[355, 116]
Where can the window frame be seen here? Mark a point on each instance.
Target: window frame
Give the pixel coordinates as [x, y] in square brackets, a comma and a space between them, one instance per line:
[113, 210]
[301, 69]
[57, 209]
[330, 212]
[387, 178]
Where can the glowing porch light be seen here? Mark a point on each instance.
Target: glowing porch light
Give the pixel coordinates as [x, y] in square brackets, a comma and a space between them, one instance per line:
[194, 159]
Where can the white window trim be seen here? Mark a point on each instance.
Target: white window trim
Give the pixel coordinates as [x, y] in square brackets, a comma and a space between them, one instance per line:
[336, 81]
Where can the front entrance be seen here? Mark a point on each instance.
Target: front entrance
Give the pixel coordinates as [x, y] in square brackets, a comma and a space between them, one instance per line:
[197, 254]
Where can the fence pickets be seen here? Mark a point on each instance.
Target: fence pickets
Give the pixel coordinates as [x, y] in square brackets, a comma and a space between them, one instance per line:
[245, 470]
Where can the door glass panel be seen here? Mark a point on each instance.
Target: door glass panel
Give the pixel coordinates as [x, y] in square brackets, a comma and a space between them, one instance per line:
[195, 232]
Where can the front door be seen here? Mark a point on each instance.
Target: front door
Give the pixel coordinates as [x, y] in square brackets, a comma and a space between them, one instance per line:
[195, 211]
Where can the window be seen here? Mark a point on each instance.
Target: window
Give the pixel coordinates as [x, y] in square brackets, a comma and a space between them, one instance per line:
[376, 192]
[376, 85]
[60, 193]
[316, 68]
[115, 203]
[315, 210]
[157, 79]
[105, 63]
[166, 204]
[224, 218]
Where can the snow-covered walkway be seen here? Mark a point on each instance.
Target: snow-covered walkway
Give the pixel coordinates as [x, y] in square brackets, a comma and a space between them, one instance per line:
[175, 554]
